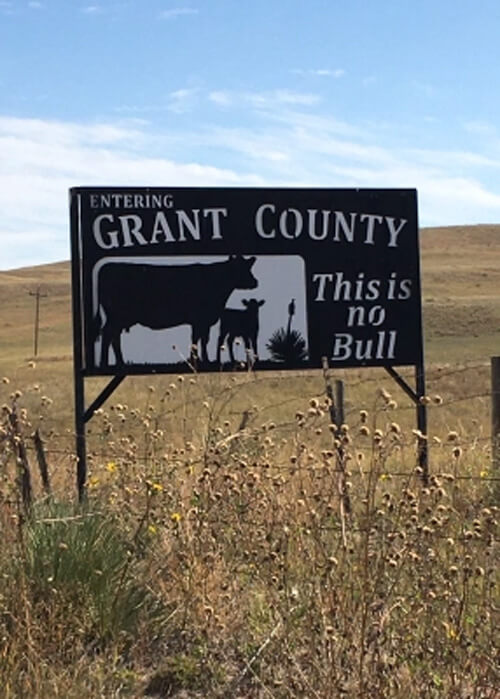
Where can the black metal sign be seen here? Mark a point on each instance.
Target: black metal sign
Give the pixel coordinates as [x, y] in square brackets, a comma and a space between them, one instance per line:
[176, 279]
[277, 277]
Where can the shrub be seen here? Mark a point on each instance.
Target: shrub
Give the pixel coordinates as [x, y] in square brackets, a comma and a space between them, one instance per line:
[287, 346]
[81, 559]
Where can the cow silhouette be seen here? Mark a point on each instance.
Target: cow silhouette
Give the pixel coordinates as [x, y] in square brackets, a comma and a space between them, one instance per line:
[165, 296]
[240, 322]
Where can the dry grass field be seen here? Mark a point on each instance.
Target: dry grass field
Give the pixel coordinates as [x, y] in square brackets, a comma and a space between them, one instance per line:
[234, 542]
[461, 288]
[460, 284]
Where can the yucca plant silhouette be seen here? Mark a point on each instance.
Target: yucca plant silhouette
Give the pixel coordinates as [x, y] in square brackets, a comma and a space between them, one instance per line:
[286, 345]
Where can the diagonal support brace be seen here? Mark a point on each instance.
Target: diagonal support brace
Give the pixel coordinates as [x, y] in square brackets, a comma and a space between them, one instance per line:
[402, 384]
[102, 397]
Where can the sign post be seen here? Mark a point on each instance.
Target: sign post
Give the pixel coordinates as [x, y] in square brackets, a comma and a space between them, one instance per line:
[167, 279]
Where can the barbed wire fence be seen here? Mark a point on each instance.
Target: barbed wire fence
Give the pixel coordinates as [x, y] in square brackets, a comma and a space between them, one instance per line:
[26, 447]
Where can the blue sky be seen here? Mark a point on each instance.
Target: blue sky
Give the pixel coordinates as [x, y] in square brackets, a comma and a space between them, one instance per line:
[331, 93]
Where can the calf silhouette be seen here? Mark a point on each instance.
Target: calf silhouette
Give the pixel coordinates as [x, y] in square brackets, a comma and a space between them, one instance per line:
[240, 322]
[165, 296]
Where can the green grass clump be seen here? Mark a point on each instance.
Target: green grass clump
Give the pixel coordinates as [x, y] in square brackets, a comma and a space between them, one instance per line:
[82, 559]
[73, 588]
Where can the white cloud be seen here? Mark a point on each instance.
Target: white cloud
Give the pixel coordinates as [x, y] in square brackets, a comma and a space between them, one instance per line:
[303, 149]
[178, 12]
[221, 98]
[482, 128]
[337, 73]
[186, 99]
[41, 160]
[92, 10]
[263, 100]
[35, 5]
[284, 144]
[320, 72]
[181, 101]
[258, 148]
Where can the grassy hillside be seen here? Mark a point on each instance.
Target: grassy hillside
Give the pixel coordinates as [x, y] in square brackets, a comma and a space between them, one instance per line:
[461, 291]
[17, 312]
[460, 283]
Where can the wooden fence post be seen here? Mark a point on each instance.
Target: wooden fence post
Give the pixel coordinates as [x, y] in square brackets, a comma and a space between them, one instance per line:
[337, 417]
[42, 461]
[22, 463]
[495, 414]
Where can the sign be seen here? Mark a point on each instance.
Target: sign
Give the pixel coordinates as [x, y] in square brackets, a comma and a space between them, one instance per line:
[278, 277]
